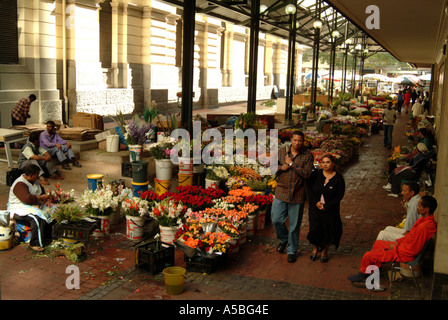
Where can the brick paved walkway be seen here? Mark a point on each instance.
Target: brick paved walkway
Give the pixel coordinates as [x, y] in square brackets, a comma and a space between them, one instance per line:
[256, 272]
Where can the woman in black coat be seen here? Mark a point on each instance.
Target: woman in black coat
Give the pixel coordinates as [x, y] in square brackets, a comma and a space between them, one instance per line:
[326, 190]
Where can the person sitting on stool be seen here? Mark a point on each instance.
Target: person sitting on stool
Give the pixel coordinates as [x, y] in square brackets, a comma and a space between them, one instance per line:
[56, 146]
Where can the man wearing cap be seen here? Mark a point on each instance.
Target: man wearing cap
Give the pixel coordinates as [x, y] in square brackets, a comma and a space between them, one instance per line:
[410, 172]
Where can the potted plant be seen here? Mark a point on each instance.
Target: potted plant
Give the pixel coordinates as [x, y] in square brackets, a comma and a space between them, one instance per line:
[135, 209]
[168, 213]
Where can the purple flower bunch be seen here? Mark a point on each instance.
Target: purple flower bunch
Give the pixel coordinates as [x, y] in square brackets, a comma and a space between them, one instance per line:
[137, 133]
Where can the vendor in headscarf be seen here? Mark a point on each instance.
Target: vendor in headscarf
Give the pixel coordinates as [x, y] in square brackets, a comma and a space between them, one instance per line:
[28, 204]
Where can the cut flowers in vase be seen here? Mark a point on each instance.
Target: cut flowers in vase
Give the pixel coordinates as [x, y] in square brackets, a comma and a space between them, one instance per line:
[169, 213]
[60, 196]
[137, 131]
[136, 207]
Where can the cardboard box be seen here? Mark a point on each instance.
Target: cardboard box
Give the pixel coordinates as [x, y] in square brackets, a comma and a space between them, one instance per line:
[88, 120]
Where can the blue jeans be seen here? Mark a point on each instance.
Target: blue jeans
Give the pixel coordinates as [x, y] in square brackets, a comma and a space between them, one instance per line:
[294, 212]
[60, 153]
[388, 135]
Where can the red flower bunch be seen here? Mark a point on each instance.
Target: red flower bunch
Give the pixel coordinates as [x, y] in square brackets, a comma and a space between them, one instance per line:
[261, 200]
[150, 196]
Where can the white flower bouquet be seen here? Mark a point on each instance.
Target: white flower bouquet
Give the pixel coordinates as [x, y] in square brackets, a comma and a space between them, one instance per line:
[100, 202]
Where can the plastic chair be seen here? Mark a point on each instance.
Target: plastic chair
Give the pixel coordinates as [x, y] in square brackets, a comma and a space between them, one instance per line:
[411, 264]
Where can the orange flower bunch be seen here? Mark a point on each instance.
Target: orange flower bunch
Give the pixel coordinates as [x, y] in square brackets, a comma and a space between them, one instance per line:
[243, 192]
[248, 207]
[233, 198]
[245, 172]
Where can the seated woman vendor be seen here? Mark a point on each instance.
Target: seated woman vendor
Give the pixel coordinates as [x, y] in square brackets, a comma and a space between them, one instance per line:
[28, 203]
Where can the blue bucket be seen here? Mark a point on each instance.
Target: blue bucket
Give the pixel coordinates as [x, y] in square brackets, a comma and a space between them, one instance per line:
[93, 181]
[139, 187]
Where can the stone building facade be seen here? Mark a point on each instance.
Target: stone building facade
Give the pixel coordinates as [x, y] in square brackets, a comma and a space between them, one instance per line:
[107, 56]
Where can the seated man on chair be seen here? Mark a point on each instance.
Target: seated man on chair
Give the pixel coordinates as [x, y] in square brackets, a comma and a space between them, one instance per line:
[410, 192]
[56, 146]
[404, 249]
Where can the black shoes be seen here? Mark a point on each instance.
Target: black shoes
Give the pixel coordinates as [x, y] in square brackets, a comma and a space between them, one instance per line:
[313, 256]
[323, 259]
[77, 164]
[292, 257]
[66, 166]
[281, 247]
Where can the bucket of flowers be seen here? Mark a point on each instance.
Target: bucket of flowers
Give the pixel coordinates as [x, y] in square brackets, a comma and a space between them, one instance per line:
[100, 204]
[135, 209]
[169, 214]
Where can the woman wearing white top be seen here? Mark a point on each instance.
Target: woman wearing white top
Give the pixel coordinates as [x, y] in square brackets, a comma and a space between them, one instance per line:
[27, 203]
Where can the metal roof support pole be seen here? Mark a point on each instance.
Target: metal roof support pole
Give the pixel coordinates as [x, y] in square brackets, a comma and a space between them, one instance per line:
[333, 62]
[355, 60]
[187, 64]
[290, 70]
[316, 47]
[253, 56]
[344, 71]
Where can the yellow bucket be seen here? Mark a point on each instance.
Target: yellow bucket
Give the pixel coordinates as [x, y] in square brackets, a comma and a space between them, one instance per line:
[162, 186]
[185, 179]
[174, 280]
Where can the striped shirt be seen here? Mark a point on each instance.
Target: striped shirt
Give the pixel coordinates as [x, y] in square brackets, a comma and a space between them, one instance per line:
[291, 184]
[22, 110]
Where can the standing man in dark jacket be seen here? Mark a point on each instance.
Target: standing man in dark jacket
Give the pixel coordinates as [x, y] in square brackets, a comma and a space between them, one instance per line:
[296, 165]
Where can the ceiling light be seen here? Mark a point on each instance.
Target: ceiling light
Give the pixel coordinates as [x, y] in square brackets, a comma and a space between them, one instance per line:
[263, 9]
[348, 41]
[317, 24]
[290, 9]
[335, 34]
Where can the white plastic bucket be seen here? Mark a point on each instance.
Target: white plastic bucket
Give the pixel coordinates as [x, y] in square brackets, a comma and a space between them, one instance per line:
[104, 226]
[135, 152]
[163, 169]
[185, 166]
[134, 228]
[167, 234]
[112, 143]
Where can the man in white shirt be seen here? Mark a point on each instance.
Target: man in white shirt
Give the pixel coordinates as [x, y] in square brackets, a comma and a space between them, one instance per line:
[410, 192]
[417, 111]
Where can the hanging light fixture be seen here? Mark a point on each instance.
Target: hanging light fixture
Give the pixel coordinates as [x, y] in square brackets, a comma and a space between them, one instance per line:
[358, 47]
[349, 41]
[263, 9]
[290, 9]
[317, 24]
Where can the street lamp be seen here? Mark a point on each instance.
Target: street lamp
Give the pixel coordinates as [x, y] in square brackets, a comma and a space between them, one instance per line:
[335, 34]
[263, 9]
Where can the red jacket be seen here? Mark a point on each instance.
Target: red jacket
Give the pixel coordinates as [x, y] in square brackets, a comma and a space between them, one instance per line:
[409, 246]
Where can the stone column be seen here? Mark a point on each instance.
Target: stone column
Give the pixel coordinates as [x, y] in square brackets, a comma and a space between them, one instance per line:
[146, 51]
[227, 56]
[114, 45]
[123, 66]
[203, 63]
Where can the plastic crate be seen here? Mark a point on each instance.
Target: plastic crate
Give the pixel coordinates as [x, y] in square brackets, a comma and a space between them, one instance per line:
[203, 264]
[80, 231]
[154, 261]
[126, 169]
